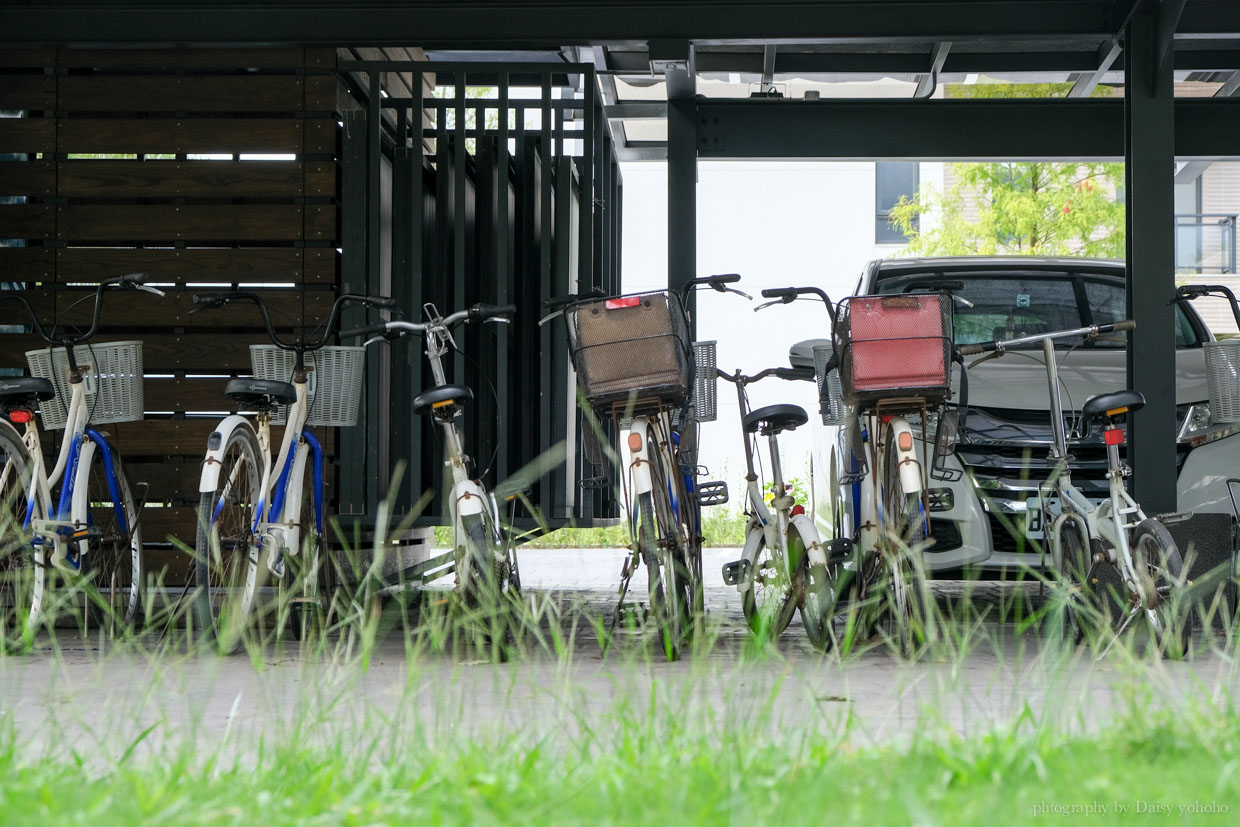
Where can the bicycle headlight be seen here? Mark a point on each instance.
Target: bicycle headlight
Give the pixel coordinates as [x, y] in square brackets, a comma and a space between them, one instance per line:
[1197, 426]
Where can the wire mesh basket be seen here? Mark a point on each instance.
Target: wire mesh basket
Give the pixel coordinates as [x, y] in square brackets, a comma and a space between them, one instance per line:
[1223, 379]
[333, 381]
[630, 346]
[835, 410]
[896, 345]
[704, 386]
[111, 372]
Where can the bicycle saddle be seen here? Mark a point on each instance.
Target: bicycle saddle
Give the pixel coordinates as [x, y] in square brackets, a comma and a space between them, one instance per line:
[250, 391]
[775, 418]
[25, 388]
[1121, 401]
[454, 394]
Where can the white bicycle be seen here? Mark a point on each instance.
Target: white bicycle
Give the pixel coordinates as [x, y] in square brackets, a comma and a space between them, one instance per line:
[484, 559]
[258, 519]
[92, 532]
[1086, 537]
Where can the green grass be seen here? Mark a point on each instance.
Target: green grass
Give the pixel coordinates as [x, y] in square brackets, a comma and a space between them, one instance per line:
[638, 768]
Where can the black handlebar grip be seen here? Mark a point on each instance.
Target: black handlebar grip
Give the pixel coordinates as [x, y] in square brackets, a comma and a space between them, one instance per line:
[794, 373]
[491, 311]
[1126, 324]
[725, 278]
[779, 293]
[133, 278]
[380, 301]
[973, 350]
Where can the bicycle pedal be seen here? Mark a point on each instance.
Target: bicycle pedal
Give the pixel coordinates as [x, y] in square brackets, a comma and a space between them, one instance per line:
[712, 493]
[839, 550]
[736, 572]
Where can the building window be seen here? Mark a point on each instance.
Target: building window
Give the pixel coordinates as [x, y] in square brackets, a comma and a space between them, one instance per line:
[892, 180]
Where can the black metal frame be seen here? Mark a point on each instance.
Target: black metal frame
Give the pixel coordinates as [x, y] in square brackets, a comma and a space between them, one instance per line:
[473, 206]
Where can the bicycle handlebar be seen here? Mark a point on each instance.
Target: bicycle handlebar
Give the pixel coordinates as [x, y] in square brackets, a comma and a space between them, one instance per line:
[790, 374]
[208, 301]
[1188, 292]
[1088, 332]
[787, 295]
[478, 312]
[129, 281]
[572, 298]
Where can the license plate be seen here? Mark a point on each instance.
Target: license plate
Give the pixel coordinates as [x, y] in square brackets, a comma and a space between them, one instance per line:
[1036, 516]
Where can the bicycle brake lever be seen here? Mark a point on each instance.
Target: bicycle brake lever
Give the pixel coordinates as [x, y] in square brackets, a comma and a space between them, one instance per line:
[548, 317]
[767, 304]
[497, 320]
[738, 292]
[146, 289]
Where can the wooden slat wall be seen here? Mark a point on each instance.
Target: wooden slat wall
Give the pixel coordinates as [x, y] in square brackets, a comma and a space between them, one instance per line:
[70, 216]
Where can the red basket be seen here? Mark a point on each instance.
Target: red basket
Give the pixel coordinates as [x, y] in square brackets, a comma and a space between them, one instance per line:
[896, 345]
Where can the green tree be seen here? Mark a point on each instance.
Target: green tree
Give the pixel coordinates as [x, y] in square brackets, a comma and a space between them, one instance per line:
[1014, 208]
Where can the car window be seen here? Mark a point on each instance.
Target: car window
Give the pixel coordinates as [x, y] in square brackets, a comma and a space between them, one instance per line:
[1011, 306]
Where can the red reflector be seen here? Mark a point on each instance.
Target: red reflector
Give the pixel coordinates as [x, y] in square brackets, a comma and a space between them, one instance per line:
[798, 510]
[624, 301]
[1113, 436]
[20, 416]
[905, 441]
[635, 443]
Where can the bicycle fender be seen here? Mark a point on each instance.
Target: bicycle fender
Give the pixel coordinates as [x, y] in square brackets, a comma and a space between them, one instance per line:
[640, 462]
[215, 456]
[813, 544]
[468, 498]
[753, 536]
[910, 467]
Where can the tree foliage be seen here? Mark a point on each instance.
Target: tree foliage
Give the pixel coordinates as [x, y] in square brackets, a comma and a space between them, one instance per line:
[1014, 208]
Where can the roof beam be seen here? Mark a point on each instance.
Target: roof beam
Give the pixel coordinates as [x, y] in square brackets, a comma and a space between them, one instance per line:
[673, 58]
[953, 130]
[1194, 169]
[1086, 84]
[531, 23]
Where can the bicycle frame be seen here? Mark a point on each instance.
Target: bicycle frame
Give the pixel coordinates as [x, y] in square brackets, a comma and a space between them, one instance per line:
[271, 524]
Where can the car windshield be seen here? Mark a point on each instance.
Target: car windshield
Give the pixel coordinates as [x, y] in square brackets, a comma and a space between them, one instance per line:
[1011, 305]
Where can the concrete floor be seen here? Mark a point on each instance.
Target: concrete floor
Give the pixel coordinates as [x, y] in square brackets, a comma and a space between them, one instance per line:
[99, 697]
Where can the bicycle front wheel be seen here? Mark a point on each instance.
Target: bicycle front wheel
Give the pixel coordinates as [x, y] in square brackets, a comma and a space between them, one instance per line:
[112, 563]
[770, 600]
[226, 561]
[22, 572]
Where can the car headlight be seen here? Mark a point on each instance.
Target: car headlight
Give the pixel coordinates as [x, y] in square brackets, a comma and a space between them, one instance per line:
[1197, 427]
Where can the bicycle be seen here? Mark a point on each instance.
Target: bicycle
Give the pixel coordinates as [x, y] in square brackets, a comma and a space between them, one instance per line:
[252, 522]
[636, 366]
[770, 574]
[484, 559]
[93, 528]
[1084, 536]
[889, 359]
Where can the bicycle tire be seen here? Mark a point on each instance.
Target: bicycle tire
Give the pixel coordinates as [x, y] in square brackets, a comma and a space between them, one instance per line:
[1081, 598]
[299, 605]
[768, 616]
[1156, 557]
[825, 584]
[112, 562]
[662, 600]
[904, 532]
[679, 582]
[23, 576]
[226, 565]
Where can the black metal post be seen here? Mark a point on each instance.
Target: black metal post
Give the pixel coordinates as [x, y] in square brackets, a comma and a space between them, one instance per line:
[1149, 147]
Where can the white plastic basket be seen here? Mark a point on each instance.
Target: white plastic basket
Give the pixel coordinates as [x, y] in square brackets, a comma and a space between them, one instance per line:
[111, 372]
[334, 381]
[704, 398]
[836, 409]
[1223, 379]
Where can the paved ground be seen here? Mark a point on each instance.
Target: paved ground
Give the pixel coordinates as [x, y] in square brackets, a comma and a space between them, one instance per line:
[89, 693]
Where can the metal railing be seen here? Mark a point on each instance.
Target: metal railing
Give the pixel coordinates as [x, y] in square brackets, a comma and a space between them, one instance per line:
[1205, 243]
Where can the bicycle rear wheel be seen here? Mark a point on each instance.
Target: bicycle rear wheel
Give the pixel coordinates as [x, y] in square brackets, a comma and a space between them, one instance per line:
[23, 576]
[227, 568]
[1157, 561]
[903, 535]
[771, 600]
[112, 562]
